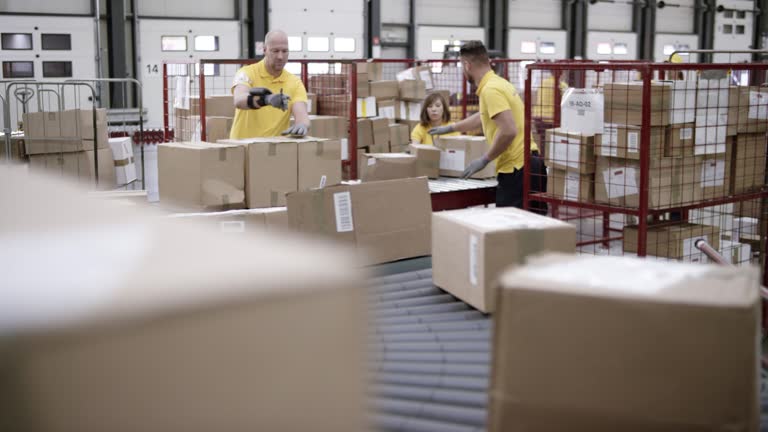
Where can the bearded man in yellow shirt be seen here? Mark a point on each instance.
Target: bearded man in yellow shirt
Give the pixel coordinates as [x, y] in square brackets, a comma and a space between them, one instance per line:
[265, 95]
[501, 117]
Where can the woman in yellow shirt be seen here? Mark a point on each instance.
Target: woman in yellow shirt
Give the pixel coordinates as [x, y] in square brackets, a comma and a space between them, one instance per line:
[434, 113]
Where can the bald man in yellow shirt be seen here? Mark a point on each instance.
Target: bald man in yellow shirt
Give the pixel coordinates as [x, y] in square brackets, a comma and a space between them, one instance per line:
[501, 117]
[265, 95]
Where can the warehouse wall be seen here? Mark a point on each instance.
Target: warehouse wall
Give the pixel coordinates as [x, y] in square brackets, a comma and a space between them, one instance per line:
[448, 12]
[81, 7]
[224, 9]
[395, 11]
[544, 14]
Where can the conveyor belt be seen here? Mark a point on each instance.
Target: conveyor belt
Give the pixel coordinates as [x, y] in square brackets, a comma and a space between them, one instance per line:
[430, 356]
[447, 184]
[453, 193]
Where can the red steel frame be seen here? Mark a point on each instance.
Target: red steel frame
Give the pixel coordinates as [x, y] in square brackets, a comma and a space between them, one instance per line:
[647, 70]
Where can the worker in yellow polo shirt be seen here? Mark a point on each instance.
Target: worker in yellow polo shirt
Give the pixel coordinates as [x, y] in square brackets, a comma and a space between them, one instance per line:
[265, 95]
[501, 117]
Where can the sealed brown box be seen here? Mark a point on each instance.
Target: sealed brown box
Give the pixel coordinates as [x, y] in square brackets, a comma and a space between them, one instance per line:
[64, 131]
[680, 140]
[186, 128]
[472, 247]
[243, 221]
[372, 70]
[412, 90]
[387, 108]
[427, 160]
[385, 89]
[748, 173]
[571, 186]
[333, 105]
[387, 166]
[78, 166]
[379, 148]
[217, 128]
[459, 151]
[380, 130]
[364, 133]
[599, 300]
[674, 241]
[363, 87]
[410, 124]
[318, 158]
[418, 73]
[671, 182]
[385, 220]
[570, 151]
[201, 176]
[331, 127]
[712, 175]
[623, 141]
[672, 102]
[399, 137]
[219, 106]
[192, 312]
[752, 110]
[328, 84]
[271, 170]
[311, 103]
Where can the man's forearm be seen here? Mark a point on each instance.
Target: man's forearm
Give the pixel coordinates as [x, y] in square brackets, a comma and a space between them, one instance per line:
[470, 123]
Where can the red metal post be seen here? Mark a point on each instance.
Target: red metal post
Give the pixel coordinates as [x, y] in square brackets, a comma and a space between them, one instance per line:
[203, 135]
[558, 96]
[352, 142]
[527, 143]
[305, 74]
[166, 128]
[606, 228]
[645, 154]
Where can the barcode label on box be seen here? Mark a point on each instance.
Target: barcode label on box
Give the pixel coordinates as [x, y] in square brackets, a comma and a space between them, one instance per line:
[610, 141]
[309, 105]
[686, 133]
[632, 142]
[344, 149]
[342, 203]
[473, 259]
[571, 187]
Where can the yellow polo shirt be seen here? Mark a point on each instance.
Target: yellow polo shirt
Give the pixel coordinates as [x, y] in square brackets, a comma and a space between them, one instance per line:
[420, 134]
[498, 95]
[265, 121]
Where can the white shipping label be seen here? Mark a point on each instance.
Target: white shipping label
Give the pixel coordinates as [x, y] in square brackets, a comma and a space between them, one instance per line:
[713, 173]
[686, 133]
[691, 253]
[571, 191]
[371, 161]
[309, 105]
[405, 75]
[758, 105]
[632, 139]
[452, 160]
[342, 203]
[414, 111]
[610, 141]
[387, 112]
[403, 110]
[344, 149]
[620, 182]
[565, 151]
[473, 259]
[232, 226]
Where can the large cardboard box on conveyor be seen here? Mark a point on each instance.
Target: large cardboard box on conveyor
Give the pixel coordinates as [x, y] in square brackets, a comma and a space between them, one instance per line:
[676, 241]
[387, 166]
[201, 176]
[472, 247]
[159, 324]
[385, 220]
[427, 160]
[599, 300]
[65, 131]
[459, 151]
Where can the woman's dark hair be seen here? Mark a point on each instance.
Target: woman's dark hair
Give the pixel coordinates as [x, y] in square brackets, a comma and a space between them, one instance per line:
[431, 98]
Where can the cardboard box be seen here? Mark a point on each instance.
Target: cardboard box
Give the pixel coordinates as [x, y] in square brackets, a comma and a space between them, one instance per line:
[328, 84]
[219, 106]
[623, 141]
[79, 167]
[674, 241]
[372, 70]
[712, 176]
[330, 127]
[582, 111]
[410, 111]
[187, 128]
[18, 147]
[385, 89]
[711, 130]
[364, 133]
[123, 160]
[242, 221]
[736, 253]
[413, 90]
[385, 220]
[380, 129]
[388, 166]
[366, 107]
[679, 141]
[399, 137]
[271, 170]
[748, 170]
[363, 88]
[311, 103]
[571, 186]
[410, 124]
[333, 105]
[671, 182]
[472, 247]
[427, 160]
[64, 131]
[201, 175]
[217, 128]
[720, 216]
[419, 73]
[195, 322]
[658, 305]
[318, 158]
[752, 111]
[570, 151]
[387, 108]
[672, 102]
[459, 151]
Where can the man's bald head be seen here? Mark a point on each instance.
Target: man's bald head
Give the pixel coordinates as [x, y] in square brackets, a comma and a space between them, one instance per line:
[275, 36]
[276, 51]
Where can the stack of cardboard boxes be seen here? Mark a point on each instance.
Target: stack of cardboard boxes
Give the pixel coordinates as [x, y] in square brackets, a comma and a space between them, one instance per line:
[219, 114]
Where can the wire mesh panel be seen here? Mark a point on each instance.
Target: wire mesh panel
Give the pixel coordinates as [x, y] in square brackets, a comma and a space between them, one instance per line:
[648, 159]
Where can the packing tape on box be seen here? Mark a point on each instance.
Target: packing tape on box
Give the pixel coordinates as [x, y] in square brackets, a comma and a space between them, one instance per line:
[222, 155]
[364, 108]
[272, 150]
[124, 162]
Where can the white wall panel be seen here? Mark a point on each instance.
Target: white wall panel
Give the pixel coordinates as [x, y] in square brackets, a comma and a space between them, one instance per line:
[188, 8]
[448, 12]
[676, 19]
[535, 14]
[733, 31]
[82, 7]
[665, 44]
[611, 46]
[536, 44]
[609, 17]
[425, 35]
[395, 11]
